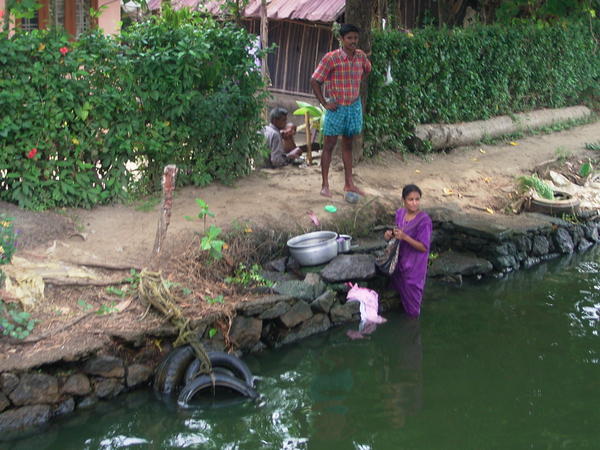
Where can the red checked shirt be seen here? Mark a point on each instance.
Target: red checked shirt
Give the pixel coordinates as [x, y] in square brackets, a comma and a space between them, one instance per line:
[342, 74]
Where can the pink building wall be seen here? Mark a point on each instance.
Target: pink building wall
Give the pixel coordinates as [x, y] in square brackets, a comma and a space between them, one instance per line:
[109, 21]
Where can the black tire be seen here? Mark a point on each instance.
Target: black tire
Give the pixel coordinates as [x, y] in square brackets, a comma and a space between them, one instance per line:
[225, 361]
[171, 372]
[217, 380]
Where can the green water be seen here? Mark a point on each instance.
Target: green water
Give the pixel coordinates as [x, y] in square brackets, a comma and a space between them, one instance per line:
[506, 364]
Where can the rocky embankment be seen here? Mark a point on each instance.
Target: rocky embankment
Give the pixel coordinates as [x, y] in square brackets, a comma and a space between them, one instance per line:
[302, 302]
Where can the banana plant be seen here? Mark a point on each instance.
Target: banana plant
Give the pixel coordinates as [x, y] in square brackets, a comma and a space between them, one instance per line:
[316, 114]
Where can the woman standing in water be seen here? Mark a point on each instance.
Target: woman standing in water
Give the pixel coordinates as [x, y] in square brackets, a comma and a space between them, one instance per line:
[413, 230]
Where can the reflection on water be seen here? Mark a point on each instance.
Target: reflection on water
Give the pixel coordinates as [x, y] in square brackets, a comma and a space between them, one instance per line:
[510, 363]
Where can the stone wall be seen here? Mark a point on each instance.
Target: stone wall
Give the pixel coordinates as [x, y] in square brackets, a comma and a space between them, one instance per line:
[33, 398]
[302, 302]
[476, 246]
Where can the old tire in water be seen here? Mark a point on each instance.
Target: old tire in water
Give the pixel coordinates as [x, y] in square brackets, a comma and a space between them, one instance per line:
[171, 372]
[210, 382]
[563, 203]
[222, 360]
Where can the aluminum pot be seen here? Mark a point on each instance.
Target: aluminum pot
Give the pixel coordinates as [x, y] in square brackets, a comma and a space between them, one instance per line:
[344, 242]
[312, 249]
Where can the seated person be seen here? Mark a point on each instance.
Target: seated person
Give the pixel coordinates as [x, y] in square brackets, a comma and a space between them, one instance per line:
[288, 137]
[275, 139]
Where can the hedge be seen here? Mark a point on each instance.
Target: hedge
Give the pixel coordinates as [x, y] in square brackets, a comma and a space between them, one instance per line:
[77, 116]
[455, 75]
[178, 89]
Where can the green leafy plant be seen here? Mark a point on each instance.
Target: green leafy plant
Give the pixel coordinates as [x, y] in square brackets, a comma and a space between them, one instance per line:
[85, 306]
[107, 309]
[433, 256]
[571, 218]
[204, 212]
[116, 291]
[211, 243]
[133, 279]
[585, 169]
[533, 182]
[186, 291]
[212, 332]
[15, 323]
[249, 276]
[216, 299]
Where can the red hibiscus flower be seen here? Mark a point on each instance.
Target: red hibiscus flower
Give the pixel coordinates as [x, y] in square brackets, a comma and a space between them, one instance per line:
[63, 50]
[32, 153]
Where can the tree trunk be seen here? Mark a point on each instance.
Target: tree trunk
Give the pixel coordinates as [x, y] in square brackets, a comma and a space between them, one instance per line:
[360, 13]
[264, 44]
[450, 12]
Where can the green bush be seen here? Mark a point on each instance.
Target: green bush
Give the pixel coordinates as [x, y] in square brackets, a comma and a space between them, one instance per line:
[62, 110]
[475, 73]
[179, 89]
[8, 240]
[199, 89]
[8, 244]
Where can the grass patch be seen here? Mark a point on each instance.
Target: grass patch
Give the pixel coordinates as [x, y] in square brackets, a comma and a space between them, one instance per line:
[593, 146]
[148, 204]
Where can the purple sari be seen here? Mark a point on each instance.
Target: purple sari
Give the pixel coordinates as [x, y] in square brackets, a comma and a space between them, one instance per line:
[409, 277]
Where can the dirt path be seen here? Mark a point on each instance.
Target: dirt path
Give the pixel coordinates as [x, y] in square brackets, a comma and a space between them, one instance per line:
[472, 178]
[482, 175]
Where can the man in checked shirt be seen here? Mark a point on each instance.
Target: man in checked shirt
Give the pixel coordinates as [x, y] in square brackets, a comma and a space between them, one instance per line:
[341, 71]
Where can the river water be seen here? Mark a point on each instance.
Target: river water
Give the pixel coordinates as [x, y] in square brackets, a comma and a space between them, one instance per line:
[507, 364]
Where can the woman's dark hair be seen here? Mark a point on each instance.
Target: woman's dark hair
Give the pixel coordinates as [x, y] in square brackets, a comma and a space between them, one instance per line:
[348, 28]
[410, 188]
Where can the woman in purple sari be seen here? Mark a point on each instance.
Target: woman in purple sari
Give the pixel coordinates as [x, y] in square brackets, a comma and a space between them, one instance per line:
[413, 230]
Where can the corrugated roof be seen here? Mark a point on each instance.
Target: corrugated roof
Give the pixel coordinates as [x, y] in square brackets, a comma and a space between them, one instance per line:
[311, 10]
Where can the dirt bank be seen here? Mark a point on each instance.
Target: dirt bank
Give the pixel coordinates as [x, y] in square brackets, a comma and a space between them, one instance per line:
[477, 179]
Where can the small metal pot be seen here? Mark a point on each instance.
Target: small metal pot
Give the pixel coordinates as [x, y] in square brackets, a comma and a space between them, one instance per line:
[312, 249]
[344, 241]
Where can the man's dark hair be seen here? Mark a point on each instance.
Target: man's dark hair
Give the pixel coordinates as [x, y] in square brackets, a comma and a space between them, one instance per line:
[277, 113]
[348, 28]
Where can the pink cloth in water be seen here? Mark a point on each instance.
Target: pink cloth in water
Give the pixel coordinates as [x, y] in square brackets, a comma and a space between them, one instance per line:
[369, 303]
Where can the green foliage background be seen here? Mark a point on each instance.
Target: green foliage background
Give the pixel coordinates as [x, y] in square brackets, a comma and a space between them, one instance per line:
[183, 89]
[454, 75]
[179, 89]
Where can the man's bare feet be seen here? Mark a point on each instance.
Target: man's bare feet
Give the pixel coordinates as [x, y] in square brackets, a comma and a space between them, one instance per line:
[354, 189]
[325, 192]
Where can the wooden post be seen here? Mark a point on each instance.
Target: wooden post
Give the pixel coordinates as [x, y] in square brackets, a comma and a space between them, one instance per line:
[308, 139]
[264, 40]
[168, 185]
[360, 13]
[264, 44]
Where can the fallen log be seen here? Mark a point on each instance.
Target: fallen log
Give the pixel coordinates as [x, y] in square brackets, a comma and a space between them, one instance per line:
[443, 136]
